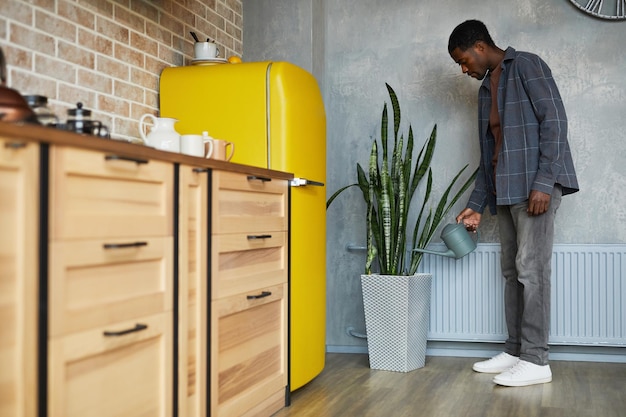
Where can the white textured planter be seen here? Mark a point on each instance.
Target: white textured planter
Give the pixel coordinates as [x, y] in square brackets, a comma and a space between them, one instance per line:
[397, 313]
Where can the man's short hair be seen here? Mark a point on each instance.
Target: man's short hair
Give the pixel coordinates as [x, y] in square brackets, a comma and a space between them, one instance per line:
[465, 35]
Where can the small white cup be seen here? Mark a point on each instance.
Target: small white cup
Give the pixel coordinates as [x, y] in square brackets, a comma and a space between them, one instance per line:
[194, 145]
[206, 50]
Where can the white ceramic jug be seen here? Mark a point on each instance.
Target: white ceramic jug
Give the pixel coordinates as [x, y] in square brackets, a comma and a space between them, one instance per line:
[162, 134]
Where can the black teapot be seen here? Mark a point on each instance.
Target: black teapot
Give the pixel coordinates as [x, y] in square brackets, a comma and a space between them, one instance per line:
[79, 121]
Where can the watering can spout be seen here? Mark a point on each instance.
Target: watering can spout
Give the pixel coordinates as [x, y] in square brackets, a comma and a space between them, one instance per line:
[449, 253]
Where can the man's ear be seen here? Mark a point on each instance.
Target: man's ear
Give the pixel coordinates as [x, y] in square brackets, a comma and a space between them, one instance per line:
[480, 46]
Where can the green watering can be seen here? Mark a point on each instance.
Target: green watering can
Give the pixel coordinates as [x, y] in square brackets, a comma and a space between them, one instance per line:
[457, 239]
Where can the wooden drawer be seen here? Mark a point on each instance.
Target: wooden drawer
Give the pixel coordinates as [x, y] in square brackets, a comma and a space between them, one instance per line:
[93, 284]
[249, 355]
[95, 194]
[245, 262]
[91, 374]
[244, 203]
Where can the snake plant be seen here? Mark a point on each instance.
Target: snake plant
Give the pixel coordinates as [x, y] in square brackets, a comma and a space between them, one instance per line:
[388, 188]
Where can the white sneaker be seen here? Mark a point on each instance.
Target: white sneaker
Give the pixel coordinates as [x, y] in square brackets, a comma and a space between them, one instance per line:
[523, 374]
[497, 364]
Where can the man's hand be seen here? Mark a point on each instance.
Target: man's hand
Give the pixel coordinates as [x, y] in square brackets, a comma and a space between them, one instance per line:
[538, 203]
[470, 218]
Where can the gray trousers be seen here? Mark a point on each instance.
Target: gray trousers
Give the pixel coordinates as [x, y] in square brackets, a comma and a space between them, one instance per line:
[526, 245]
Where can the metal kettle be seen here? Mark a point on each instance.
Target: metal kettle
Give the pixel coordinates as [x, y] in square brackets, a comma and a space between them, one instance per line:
[457, 240]
[79, 121]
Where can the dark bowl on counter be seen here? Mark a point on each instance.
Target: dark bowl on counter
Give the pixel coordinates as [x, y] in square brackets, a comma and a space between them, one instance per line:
[14, 108]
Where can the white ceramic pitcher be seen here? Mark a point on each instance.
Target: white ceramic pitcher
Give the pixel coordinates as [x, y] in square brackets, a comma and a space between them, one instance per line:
[162, 134]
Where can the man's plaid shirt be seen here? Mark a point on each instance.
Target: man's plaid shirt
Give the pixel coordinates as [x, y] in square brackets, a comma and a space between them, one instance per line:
[535, 153]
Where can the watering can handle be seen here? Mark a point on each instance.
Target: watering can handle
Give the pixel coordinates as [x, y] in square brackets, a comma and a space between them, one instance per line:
[477, 233]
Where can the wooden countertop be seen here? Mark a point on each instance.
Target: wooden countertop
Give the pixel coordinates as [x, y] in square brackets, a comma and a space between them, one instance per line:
[52, 136]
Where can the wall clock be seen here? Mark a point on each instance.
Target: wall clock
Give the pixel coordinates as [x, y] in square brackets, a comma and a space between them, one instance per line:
[604, 9]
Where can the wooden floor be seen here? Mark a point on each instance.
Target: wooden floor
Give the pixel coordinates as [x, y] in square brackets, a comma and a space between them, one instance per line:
[447, 387]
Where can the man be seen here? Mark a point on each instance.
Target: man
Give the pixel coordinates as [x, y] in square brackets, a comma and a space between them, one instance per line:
[525, 167]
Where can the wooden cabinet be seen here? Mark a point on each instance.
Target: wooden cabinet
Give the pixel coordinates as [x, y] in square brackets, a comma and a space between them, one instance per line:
[193, 318]
[249, 270]
[110, 346]
[19, 176]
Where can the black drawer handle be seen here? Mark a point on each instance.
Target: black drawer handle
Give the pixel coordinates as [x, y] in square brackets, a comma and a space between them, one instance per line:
[200, 170]
[251, 237]
[124, 245]
[15, 145]
[138, 327]
[125, 158]
[257, 296]
[254, 177]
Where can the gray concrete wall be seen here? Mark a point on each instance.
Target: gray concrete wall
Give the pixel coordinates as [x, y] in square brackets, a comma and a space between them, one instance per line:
[404, 43]
[286, 30]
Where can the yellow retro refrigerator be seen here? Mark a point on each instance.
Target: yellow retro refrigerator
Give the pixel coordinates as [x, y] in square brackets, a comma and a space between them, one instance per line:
[274, 114]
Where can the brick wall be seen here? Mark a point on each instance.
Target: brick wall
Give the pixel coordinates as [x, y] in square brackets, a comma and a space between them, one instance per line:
[108, 54]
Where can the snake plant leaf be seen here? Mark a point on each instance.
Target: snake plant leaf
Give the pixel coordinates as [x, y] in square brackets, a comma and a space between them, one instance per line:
[383, 131]
[424, 158]
[363, 182]
[371, 249]
[395, 104]
[337, 193]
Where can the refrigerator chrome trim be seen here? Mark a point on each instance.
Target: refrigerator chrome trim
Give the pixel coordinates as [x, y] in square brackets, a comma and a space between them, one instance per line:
[268, 116]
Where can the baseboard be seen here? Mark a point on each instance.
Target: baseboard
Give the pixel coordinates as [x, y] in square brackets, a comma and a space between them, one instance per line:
[485, 350]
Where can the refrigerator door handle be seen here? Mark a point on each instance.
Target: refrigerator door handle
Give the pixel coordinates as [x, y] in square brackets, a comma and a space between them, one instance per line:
[301, 182]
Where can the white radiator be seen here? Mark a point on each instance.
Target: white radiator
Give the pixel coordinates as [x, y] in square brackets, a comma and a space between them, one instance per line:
[588, 295]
